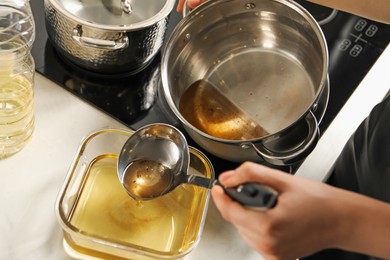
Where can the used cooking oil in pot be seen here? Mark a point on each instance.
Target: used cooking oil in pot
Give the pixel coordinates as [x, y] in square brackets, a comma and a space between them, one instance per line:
[210, 111]
[248, 95]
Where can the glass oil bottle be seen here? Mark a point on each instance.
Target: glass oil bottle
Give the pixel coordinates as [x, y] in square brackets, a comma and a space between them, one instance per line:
[17, 68]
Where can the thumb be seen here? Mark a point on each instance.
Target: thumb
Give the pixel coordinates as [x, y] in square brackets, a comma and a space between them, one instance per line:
[252, 172]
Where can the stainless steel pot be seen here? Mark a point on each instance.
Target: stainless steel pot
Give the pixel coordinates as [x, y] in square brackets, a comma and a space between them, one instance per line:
[271, 55]
[108, 36]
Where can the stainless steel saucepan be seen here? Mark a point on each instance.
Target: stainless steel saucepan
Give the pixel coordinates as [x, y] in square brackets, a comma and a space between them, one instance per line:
[108, 36]
[268, 58]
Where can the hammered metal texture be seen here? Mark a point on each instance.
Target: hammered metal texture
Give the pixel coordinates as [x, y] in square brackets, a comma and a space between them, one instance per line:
[144, 44]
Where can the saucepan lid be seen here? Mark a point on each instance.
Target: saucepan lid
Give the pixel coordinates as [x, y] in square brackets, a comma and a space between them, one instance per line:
[111, 14]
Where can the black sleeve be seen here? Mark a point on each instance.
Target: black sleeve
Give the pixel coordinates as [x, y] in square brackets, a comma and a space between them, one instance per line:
[364, 164]
[364, 167]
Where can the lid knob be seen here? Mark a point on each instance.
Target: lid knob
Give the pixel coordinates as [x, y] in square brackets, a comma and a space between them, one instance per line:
[126, 6]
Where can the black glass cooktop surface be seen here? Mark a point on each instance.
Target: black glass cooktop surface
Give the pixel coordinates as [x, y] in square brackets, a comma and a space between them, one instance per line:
[354, 45]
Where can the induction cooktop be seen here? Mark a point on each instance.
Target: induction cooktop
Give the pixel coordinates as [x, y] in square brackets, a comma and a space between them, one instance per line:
[354, 44]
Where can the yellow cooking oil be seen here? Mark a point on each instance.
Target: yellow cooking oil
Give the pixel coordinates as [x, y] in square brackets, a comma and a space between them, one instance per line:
[166, 225]
[16, 112]
[17, 68]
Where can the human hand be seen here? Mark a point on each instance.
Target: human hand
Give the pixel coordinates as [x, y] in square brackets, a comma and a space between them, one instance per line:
[303, 221]
[191, 4]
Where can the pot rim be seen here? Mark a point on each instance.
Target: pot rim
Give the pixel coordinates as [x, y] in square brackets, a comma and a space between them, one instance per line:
[163, 13]
[198, 12]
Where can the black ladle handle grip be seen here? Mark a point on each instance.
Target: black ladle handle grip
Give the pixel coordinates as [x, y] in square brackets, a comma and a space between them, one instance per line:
[252, 195]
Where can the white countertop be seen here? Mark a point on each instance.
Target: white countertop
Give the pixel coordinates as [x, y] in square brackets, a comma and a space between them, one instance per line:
[31, 179]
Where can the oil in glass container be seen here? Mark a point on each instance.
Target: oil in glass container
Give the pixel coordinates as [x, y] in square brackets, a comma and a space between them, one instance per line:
[17, 67]
[103, 209]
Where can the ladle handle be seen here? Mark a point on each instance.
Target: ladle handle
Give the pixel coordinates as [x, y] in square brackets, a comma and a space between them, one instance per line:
[200, 181]
[251, 195]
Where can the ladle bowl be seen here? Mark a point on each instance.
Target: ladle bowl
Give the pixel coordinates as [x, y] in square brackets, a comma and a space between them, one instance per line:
[155, 160]
[160, 152]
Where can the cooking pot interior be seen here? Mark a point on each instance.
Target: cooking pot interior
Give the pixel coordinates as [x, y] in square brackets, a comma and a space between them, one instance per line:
[264, 56]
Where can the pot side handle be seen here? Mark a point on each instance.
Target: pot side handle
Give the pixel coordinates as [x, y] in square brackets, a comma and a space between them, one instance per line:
[121, 43]
[295, 155]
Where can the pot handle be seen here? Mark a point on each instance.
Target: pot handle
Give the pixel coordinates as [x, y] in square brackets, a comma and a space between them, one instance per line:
[295, 155]
[121, 43]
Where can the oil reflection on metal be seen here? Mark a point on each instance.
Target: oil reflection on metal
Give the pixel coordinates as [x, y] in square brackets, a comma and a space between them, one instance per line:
[118, 7]
[126, 6]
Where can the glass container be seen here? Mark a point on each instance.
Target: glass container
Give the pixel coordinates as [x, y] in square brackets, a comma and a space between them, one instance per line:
[100, 219]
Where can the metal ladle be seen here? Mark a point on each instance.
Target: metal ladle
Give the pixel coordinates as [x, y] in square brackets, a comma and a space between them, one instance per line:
[155, 160]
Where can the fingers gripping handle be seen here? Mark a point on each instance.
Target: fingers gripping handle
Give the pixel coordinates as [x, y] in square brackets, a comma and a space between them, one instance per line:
[252, 195]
